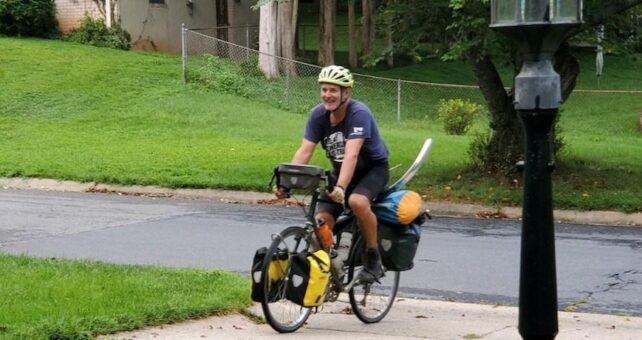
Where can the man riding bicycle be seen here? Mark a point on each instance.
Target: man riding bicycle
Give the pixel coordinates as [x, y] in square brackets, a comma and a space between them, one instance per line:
[349, 135]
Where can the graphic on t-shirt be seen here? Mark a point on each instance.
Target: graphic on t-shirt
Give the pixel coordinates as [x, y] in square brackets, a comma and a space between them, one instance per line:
[335, 146]
[357, 131]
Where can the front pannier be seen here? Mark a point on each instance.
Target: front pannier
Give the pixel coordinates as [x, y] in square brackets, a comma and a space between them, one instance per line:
[308, 278]
[277, 271]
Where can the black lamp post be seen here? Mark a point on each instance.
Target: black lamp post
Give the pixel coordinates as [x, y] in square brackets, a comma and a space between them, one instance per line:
[537, 27]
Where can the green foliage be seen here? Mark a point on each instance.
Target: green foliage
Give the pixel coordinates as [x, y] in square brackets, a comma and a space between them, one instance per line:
[34, 18]
[457, 115]
[95, 32]
[215, 73]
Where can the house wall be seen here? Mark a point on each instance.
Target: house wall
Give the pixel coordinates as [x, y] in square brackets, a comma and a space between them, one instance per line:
[71, 12]
[241, 15]
[157, 27]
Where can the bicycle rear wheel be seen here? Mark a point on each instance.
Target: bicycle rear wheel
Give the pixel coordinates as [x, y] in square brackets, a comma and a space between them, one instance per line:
[282, 314]
[371, 302]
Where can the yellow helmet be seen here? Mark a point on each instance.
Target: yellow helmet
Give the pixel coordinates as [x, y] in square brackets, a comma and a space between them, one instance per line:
[336, 75]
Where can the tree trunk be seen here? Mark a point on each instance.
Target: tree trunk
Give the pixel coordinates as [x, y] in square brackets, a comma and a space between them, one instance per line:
[505, 146]
[353, 58]
[286, 28]
[267, 40]
[567, 66]
[389, 43]
[326, 35]
[367, 28]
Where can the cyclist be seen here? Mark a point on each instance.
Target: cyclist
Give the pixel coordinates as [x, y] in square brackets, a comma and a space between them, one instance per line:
[349, 135]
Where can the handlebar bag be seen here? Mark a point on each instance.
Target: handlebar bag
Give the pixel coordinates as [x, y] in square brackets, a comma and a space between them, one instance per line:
[308, 278]
[398, 244]
[399, 207]
[298, 176]
[277, 272]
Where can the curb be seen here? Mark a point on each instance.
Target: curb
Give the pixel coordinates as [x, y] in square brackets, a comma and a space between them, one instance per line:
[439, 208]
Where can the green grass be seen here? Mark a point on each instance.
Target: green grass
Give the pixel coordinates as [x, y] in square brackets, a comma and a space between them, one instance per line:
[88, 114]
[63, 299]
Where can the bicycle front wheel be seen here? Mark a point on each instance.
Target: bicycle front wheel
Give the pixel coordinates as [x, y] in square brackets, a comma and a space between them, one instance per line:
[282, 314]
[371, 302]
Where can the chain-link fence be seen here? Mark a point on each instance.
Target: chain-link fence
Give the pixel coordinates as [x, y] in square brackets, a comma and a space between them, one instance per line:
[234, 67]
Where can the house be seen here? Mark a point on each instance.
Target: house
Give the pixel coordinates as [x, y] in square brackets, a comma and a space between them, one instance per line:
[155, 25]
[71, 12]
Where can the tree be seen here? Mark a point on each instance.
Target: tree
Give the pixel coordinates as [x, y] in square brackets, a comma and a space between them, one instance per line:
[368, 33]
[353, 58]
[286, 32]
[268, 63]
[327, 18]
[277, 33]
[469, 38]
[478, 45]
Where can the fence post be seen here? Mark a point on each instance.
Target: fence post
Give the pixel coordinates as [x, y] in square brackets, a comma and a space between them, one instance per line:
[184, 51]
[398, 100]
[247, 41]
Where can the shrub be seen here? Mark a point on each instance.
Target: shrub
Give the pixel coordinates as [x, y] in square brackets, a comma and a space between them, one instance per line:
[457, 115]
[218, 74]
[33, 18]
[95, 32]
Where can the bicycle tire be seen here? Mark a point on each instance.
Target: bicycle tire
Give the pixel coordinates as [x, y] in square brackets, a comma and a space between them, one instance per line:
[371, 302]
[280, 313]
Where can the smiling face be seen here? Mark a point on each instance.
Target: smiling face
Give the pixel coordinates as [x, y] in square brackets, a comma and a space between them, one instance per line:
[331, 96]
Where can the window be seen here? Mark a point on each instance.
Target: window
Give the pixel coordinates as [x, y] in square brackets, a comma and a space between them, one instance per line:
[159, 3]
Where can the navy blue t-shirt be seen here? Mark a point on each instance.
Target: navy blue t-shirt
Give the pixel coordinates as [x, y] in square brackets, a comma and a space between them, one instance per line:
[358, 123]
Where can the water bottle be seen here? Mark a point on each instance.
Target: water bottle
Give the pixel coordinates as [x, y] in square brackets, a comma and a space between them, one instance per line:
[325, 234]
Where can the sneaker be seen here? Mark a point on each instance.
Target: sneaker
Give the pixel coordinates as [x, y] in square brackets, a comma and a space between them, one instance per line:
[372, 270]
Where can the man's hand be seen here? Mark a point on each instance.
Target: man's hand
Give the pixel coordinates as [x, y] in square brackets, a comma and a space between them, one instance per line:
[338, 194]
[280, 192]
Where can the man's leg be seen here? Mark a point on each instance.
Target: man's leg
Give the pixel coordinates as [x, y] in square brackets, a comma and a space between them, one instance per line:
[360, 205]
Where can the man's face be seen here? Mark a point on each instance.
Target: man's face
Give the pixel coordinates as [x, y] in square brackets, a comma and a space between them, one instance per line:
[331, 96]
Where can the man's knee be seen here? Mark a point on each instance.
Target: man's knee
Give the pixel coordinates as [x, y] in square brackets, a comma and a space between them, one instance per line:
[359, 203]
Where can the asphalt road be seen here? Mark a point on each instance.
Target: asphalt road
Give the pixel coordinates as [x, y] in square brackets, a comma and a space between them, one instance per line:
[460, 259]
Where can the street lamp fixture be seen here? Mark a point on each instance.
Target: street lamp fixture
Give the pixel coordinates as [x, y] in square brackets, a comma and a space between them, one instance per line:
[537, 27]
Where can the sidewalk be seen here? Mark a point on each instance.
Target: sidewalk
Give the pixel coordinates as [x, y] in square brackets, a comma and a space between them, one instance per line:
[408, 319]
[436, 207]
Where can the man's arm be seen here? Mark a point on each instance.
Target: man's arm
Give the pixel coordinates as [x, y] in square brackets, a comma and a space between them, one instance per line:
[304, 153]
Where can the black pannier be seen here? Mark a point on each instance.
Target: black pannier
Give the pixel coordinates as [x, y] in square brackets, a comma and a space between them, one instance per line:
[277, 272]
[398, 244]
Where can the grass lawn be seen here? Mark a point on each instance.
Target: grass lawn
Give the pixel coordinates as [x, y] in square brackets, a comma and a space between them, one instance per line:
[63, 299]
[83, 113]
